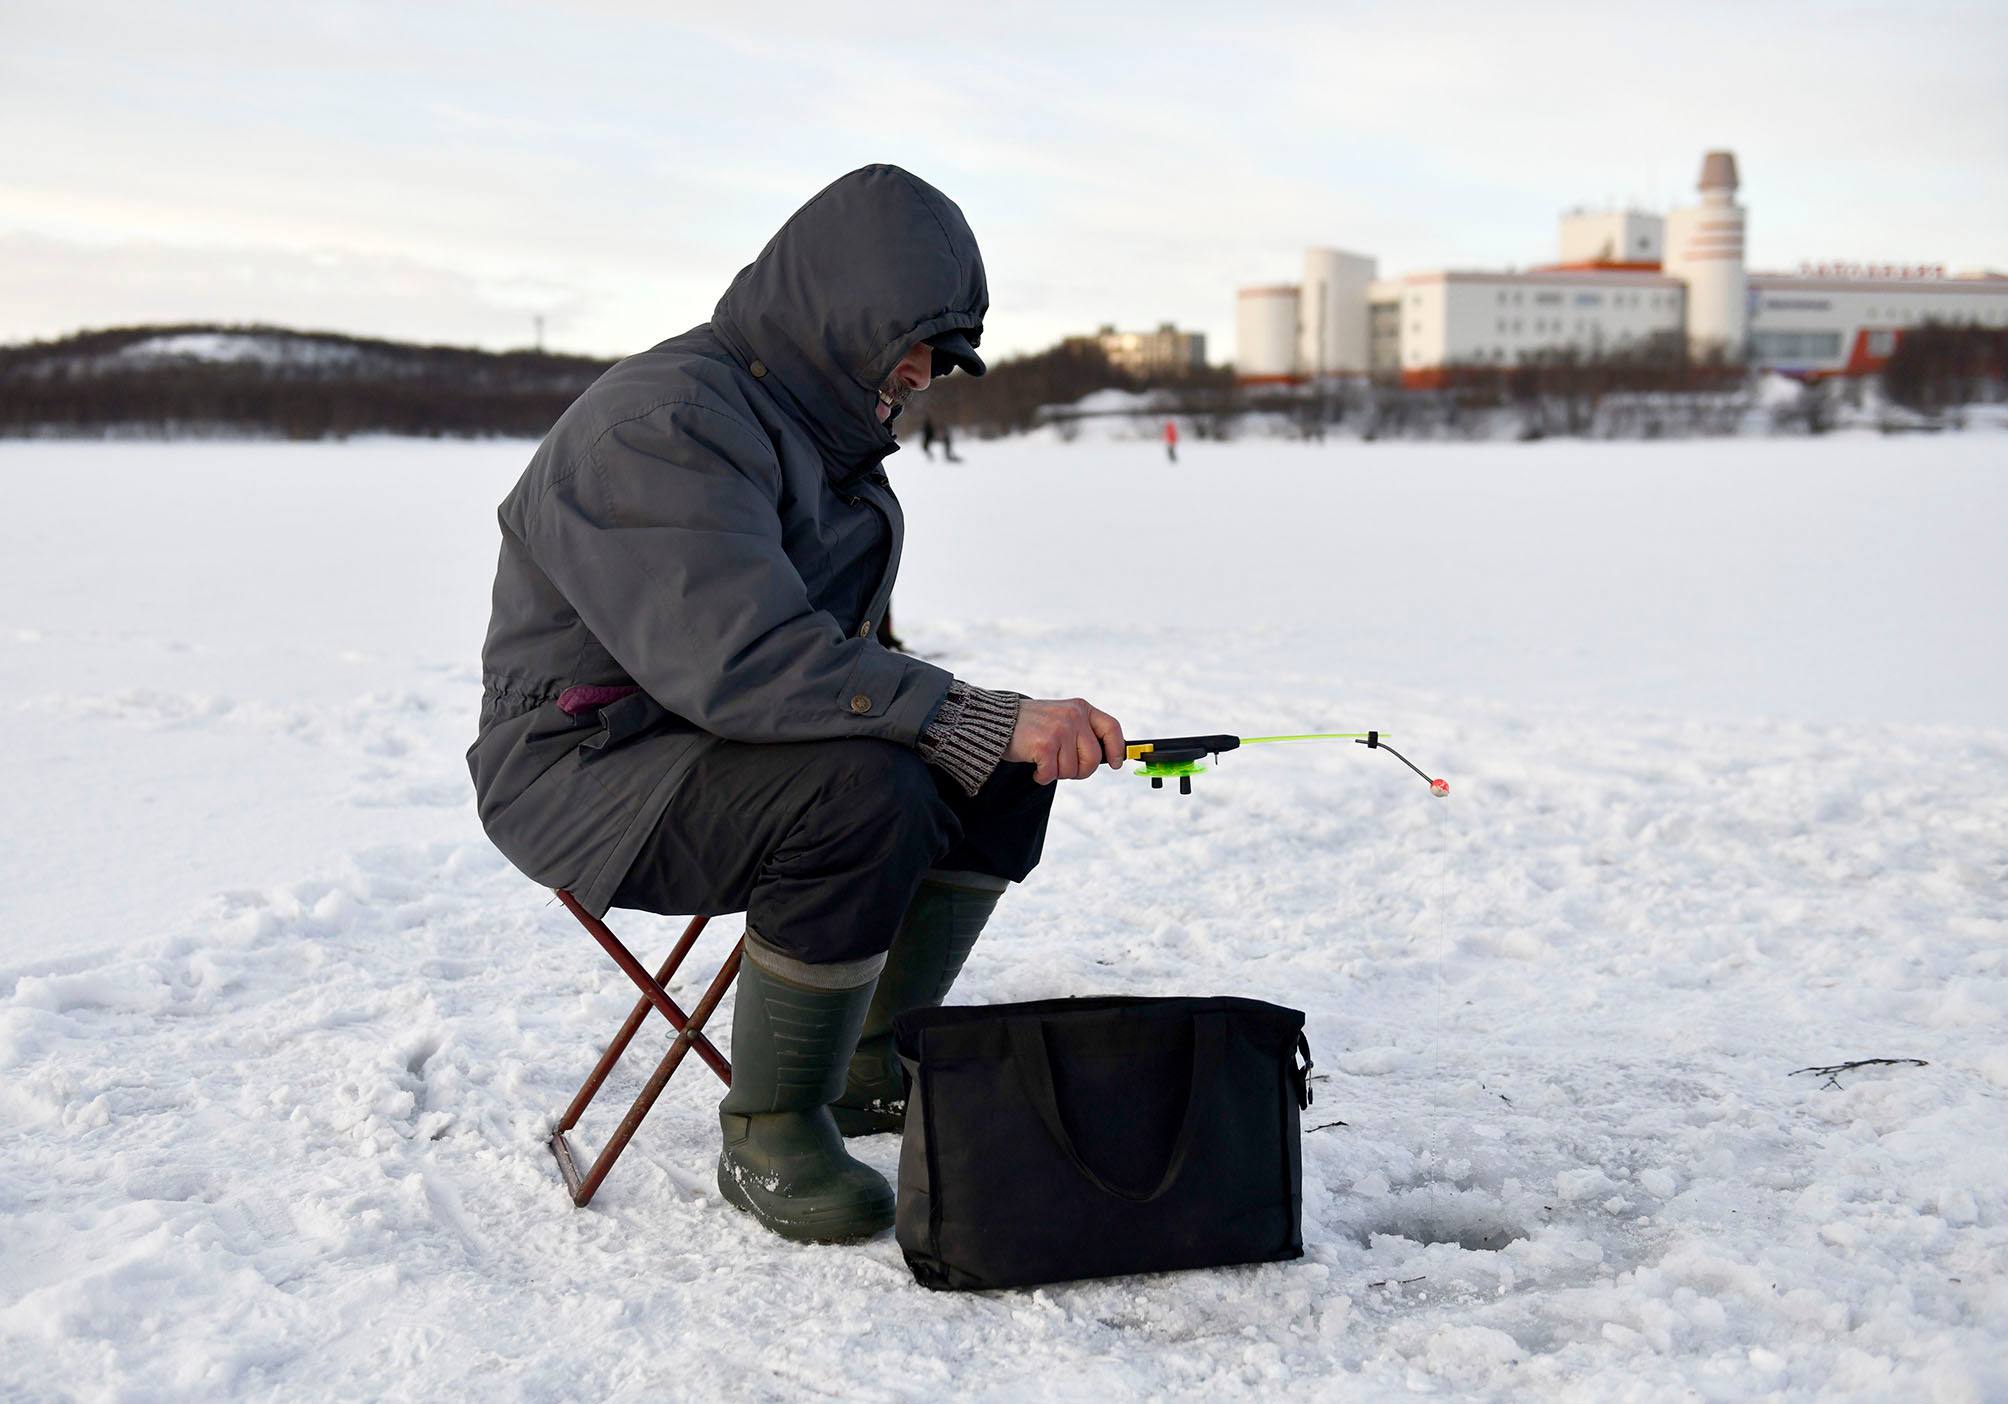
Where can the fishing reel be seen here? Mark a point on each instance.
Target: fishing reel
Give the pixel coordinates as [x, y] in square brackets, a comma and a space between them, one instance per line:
[1178, 757]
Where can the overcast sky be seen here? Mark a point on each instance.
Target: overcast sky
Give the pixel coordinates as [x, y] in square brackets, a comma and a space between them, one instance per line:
[447, 172]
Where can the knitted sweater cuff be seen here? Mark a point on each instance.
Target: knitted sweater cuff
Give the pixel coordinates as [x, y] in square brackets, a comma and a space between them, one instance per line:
[969, 732]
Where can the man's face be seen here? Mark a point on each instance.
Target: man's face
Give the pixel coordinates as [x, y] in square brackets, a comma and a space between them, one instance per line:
[914, 371]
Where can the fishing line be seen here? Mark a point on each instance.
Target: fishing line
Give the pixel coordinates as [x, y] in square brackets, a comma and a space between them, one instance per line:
[1436, 972]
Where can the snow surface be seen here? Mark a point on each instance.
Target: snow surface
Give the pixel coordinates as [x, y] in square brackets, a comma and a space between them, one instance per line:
[281, 1037]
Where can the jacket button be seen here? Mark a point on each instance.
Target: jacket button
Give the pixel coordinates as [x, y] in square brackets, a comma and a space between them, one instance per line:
[865, 629]
[861, 703]
[759, 369]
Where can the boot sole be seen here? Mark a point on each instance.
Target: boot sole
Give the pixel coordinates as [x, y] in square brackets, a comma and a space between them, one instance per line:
[843, 1222]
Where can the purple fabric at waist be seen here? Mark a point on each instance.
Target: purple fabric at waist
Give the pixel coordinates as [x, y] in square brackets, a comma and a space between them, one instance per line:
[586, 696]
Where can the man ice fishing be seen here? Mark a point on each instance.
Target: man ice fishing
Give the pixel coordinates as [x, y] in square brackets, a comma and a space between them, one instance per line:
[685, 709]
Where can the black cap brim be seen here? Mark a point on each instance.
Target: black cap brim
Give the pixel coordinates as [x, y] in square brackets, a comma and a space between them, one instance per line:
[953, 350]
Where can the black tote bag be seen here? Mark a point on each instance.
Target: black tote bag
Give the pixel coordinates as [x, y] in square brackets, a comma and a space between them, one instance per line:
[1090, 1137]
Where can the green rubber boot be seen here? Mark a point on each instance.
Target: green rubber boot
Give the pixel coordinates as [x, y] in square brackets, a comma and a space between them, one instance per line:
[934, 940]
[782, 1160]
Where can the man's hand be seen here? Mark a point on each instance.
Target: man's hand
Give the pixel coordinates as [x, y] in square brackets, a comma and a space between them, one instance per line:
[1065, 740]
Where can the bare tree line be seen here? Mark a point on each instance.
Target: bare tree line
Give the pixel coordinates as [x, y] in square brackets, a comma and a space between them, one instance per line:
[1649, 390]
[1018, 390]
[320, 385]
[1941, 367]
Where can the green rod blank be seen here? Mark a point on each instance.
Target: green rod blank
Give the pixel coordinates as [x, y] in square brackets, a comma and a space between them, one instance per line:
[1313, 736]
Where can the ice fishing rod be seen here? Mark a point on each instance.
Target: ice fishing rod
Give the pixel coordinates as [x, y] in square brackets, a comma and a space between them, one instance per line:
[1178, 756]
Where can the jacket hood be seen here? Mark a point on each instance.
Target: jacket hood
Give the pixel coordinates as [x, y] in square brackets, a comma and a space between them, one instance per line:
[877, 261]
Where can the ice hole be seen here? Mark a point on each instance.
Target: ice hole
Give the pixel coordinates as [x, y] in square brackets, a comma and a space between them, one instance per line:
[1472, 1234]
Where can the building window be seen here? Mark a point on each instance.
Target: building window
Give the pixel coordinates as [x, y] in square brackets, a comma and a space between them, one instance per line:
[1502, 326]
[1794, 347]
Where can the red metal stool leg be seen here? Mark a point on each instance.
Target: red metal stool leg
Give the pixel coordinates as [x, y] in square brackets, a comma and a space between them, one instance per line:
[652, 990]
[584, 1188]
[689, 1034]
[591, 1089]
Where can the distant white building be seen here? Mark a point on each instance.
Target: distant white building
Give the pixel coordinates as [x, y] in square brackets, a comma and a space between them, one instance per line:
[1265, 335]
[1625, 278]
[1430, 321]
[1164, 351]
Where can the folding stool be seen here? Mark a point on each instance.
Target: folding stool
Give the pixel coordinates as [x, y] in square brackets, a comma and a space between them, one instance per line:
[689, 1034]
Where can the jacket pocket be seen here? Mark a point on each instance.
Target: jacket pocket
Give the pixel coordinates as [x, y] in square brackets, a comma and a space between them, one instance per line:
[623, 721]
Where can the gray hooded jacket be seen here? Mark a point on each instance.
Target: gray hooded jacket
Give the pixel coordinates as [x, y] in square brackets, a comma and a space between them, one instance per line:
[709, 522]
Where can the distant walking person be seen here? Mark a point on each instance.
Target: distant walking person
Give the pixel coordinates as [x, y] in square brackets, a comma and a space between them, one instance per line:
[948, 447]
[1171, 440]
[927, 438]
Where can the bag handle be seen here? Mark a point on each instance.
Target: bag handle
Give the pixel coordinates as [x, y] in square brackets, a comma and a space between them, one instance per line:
[1035, 1070]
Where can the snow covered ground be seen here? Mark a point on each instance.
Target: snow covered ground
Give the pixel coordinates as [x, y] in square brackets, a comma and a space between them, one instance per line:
[281, 1037]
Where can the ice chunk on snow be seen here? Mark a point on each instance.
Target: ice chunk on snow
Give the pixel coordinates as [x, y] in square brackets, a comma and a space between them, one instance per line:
[1586, 1183]
[1371, 1062]
[1468, 1354]
[1956, 1206]
[1658, 1183]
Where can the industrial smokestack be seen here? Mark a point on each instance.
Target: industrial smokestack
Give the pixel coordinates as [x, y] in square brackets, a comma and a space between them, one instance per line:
[1704, 249]
[1718, 173]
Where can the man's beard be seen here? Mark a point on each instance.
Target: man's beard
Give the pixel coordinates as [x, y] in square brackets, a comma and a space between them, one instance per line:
[894, 394]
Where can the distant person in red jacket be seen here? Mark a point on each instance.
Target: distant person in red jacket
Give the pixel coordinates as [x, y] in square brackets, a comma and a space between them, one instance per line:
[1171, 439]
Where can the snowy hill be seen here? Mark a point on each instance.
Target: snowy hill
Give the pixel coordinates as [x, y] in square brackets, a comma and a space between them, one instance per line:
[268, 381]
